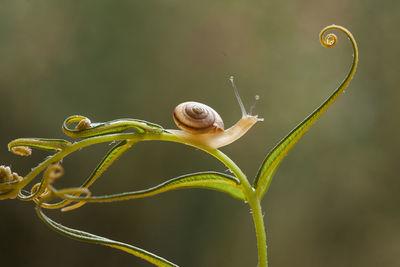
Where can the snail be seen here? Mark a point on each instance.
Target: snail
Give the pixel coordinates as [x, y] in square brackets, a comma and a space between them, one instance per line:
[203, 126]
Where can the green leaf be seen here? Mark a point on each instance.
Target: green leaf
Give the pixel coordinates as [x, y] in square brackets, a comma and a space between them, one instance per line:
[208, 180]
[39, 143]
[274, 158]
[115, 152]
[91, 238]
[114, 126]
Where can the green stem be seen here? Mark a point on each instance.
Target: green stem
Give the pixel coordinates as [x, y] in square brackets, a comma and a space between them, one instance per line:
[254, 204]
[260, 231]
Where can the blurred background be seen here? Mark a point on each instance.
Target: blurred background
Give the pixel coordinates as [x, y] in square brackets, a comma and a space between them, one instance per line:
[334, 200]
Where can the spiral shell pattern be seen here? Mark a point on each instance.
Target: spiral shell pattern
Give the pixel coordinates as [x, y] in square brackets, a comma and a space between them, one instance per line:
[194, 117]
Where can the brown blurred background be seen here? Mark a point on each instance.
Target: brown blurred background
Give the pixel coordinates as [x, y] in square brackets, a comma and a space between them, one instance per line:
[334, 200]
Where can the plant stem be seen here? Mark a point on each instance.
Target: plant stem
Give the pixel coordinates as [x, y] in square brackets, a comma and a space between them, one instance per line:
[248, 190]
[260, 231]
[254, 204]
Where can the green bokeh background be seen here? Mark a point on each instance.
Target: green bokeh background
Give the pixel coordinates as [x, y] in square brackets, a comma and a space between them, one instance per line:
[334, 200]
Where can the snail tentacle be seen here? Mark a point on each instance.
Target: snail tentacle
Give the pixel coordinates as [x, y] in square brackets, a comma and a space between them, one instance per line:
[244, 113]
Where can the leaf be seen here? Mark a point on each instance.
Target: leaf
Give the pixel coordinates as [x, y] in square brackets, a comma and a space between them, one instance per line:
[208, 180]
[274, 158]
[115, 152]
[39, 143]
[114, 126]
[91, 238]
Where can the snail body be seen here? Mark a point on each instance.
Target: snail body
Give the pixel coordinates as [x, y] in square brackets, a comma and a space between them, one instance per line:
[203, 126]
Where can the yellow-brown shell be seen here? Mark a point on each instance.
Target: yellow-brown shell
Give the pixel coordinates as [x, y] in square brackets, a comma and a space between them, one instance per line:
[194, 117]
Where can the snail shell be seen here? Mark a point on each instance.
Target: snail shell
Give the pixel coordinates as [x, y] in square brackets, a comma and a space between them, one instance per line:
[197, 118]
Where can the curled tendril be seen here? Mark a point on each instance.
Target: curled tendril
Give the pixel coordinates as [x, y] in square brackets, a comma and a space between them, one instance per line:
[53, 172]
[47, 192]
[39, 190]
[21, 150]
[43, 189]
[329, 40]
[84, 128]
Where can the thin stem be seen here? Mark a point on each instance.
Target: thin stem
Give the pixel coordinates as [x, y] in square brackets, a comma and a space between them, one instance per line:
[260, 231]
[254, 204]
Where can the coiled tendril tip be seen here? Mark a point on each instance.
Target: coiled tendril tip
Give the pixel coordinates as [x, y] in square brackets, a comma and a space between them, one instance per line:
[21, 150]
[329, 40]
